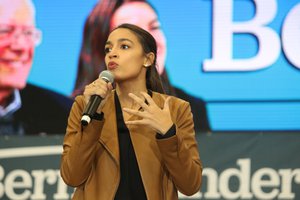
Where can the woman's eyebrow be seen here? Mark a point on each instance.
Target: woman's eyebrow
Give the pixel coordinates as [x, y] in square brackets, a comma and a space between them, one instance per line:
[119, 40]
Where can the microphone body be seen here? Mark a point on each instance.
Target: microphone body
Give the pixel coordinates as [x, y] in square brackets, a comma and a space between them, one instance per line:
[95, 100]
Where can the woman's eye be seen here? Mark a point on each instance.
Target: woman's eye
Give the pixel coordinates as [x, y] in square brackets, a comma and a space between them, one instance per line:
[107, 50]
[124, 46]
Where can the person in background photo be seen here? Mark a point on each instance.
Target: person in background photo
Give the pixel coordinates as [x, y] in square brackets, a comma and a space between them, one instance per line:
[25, 108]
[141, 142]
[105, 16]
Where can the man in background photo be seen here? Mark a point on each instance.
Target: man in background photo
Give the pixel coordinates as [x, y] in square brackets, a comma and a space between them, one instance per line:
[25, 108]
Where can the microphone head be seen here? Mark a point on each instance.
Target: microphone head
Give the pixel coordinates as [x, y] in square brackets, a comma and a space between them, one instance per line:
[107, 76]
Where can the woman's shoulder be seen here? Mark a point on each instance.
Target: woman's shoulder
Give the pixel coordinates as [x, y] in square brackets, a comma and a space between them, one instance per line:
[174, 99]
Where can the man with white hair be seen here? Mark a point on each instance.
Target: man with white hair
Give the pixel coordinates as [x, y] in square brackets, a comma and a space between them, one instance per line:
[25, 108]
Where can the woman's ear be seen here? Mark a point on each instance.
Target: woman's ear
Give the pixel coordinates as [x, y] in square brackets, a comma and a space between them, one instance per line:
[149, 59]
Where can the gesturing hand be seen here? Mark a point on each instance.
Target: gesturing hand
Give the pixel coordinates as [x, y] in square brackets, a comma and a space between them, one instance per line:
[153, 116]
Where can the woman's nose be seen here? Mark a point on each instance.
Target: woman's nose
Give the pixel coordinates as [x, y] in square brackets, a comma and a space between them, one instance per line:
[113, 53]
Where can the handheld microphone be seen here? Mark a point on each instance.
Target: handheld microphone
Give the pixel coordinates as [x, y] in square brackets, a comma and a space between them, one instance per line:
[95, 100]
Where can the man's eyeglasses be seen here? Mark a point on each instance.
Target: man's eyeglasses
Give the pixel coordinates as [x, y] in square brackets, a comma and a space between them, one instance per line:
[31, 34]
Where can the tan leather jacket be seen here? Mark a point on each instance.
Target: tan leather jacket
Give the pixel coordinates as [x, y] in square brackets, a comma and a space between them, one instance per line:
[90, 159]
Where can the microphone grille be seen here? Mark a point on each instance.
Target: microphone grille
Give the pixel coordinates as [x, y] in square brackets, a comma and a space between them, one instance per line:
[107, 76]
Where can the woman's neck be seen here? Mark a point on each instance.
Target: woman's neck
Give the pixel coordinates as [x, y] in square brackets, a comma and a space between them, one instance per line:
[124, 89]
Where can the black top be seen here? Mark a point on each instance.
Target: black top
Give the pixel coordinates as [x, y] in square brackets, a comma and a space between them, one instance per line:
[131, 185]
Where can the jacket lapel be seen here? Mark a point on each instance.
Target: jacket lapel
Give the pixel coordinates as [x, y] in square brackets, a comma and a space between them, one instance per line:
[109, 134]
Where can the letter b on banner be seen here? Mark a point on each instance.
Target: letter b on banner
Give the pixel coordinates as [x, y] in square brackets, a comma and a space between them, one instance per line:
[268, 40]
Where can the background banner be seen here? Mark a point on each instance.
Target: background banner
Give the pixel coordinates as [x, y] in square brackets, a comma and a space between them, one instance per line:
[236, 166]
[240, 56]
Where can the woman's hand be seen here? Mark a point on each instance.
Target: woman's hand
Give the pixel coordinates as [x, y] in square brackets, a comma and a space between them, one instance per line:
[98, 87]
[153, 116]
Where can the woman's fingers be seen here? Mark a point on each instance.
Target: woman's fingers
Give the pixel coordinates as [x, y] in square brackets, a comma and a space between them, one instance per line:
[166, 105]
[97, 87]
[139, 101]
[135, 112]
[152, 115]
[148, 98]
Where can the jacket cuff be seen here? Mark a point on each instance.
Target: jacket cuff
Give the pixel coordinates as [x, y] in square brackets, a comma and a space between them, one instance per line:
[98, 116]
[171, 132]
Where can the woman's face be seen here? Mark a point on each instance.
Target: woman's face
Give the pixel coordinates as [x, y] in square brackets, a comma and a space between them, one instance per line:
[124, 56]
[142, 15]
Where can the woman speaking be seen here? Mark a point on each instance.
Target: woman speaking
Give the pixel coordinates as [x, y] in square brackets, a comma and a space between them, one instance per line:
[140, 143]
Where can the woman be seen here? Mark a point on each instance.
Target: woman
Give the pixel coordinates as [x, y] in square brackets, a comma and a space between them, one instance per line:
[141, 143]
[107, 15]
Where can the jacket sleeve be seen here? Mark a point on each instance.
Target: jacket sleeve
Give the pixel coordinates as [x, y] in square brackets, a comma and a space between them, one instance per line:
[180, 152]
[79, 146]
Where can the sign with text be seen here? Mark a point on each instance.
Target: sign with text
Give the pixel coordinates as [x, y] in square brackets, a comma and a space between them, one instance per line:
[236, 166]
